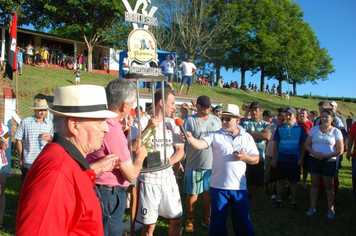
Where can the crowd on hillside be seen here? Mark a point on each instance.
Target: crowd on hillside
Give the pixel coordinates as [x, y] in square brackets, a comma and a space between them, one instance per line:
[72, 163]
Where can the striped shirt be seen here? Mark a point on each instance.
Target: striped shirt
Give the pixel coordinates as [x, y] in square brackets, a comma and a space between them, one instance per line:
[30, 132]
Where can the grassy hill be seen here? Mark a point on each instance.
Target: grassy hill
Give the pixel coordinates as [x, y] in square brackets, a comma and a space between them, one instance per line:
[44, 81]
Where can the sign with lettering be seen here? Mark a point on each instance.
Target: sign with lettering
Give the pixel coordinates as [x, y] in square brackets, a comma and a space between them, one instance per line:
[141, 44]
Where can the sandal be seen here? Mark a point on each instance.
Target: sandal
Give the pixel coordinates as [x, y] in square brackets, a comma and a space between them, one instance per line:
[4, 228]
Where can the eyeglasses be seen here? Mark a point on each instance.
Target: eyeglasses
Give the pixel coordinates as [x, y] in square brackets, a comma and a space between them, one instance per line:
[227, 119]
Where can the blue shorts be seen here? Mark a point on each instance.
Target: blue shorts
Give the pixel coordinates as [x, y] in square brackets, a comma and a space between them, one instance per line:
[169, 77]
[188, 79]
[197, 180]
[324, 168]
[19, 65]
[289, 171]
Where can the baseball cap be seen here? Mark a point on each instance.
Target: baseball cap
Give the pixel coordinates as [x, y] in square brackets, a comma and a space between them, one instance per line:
[255, 105]
[334, 104]
[268, 113]
[291, 110]
[218, 108]
[204, 101]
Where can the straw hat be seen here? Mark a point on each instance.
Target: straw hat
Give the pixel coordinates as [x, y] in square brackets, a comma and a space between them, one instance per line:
[39, 104]
[231, 110]
[86, 101]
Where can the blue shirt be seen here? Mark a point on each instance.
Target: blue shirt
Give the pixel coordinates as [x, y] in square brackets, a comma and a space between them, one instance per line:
[19, 56]
[288, 139]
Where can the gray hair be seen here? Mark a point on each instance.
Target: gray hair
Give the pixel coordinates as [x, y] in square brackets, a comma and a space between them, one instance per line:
[60, 124]
[120, 91]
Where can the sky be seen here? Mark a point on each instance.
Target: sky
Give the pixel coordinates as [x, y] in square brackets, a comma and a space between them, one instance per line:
[334, 24]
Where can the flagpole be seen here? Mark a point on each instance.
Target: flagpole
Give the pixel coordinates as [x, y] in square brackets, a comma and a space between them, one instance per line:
[17, 94]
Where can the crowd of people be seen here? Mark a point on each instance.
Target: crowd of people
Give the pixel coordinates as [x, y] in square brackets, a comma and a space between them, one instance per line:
[43, 55]
[225, 155]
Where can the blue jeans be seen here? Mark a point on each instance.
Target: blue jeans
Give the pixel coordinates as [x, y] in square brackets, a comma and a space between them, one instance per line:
[220, 202]
[354, 175]
[113, 204]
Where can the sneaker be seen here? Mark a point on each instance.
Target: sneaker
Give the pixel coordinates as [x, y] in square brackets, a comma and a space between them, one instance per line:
[311, 211]
[189, 226]
[295, 206]
[206, 222]
[331, 214]
[277, 205]
[273, 197]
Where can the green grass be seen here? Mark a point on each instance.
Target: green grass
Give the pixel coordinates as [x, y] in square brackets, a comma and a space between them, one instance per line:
[37, 81]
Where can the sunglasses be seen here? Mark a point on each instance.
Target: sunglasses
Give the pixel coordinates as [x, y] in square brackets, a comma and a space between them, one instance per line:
[227, 119]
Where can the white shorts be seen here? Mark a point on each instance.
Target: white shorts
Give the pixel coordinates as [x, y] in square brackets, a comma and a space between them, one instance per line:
[77, 79]
[158, 200]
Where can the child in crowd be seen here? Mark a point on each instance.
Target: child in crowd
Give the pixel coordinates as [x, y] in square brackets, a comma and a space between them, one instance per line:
[77, 76]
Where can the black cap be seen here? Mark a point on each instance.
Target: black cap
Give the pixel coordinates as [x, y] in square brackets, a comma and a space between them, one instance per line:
[204, 101]
[268, 113]
[291, 110]
[255, 105]
[218, 108]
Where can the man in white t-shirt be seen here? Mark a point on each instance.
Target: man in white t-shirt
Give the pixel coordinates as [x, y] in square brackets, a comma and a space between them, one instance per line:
[232, 149]
[126, 67]
[168, 69]
[188, 70]
[158, 191]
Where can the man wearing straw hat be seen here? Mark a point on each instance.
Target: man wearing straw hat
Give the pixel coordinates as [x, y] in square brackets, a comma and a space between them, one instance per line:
[57, 196]
[233, 148]
[32, 135]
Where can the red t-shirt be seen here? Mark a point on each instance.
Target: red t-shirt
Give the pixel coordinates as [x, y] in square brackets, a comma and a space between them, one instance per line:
[57, 196]
[352, 133]
[306, 126]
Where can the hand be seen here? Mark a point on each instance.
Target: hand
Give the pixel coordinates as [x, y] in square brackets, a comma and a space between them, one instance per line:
[239, 156]
[348, 156]
[318, 155]
[300, 161]
[153, 122]
[108, 163]
[46, 136]
[20, 163]
[274, 163]
[127, 122]
[189, 135]
[141, 151]
[178, 166]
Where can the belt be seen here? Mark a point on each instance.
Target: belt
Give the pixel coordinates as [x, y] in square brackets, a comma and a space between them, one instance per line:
[112, 189]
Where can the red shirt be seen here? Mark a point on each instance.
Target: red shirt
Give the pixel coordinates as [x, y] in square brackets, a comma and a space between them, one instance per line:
[57, 196]
[352, 133]
[307, 125]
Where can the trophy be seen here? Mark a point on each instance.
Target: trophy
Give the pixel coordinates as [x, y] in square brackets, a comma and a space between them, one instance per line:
[153, 158]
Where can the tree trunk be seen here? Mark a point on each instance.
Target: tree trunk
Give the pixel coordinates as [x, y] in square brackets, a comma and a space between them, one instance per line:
[217, 71]
[262, 86]
[243, 86]
[90, 56]
[280, 80]
[294, 88]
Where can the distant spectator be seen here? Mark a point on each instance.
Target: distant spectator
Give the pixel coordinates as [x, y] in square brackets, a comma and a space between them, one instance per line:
[20, 52]
[77, 76]
[106, 63]
[267, 89]
[349, 123]
[37, 54]
[313, 115]
[59, 55]
[29, 53]
[188, 70]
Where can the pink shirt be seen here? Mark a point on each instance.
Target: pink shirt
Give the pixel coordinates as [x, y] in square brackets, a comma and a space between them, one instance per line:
[114, 142]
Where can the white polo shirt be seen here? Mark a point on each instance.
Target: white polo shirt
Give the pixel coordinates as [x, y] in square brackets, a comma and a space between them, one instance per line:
[227, 173]
[187, 68]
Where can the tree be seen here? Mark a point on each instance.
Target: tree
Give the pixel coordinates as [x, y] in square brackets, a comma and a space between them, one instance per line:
[190, 27]
[95, 19]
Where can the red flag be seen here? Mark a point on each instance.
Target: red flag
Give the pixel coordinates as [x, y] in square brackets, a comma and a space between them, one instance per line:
[11, 64]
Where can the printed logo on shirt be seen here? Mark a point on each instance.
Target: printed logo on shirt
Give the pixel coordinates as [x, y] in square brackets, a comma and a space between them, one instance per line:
[198, 123]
